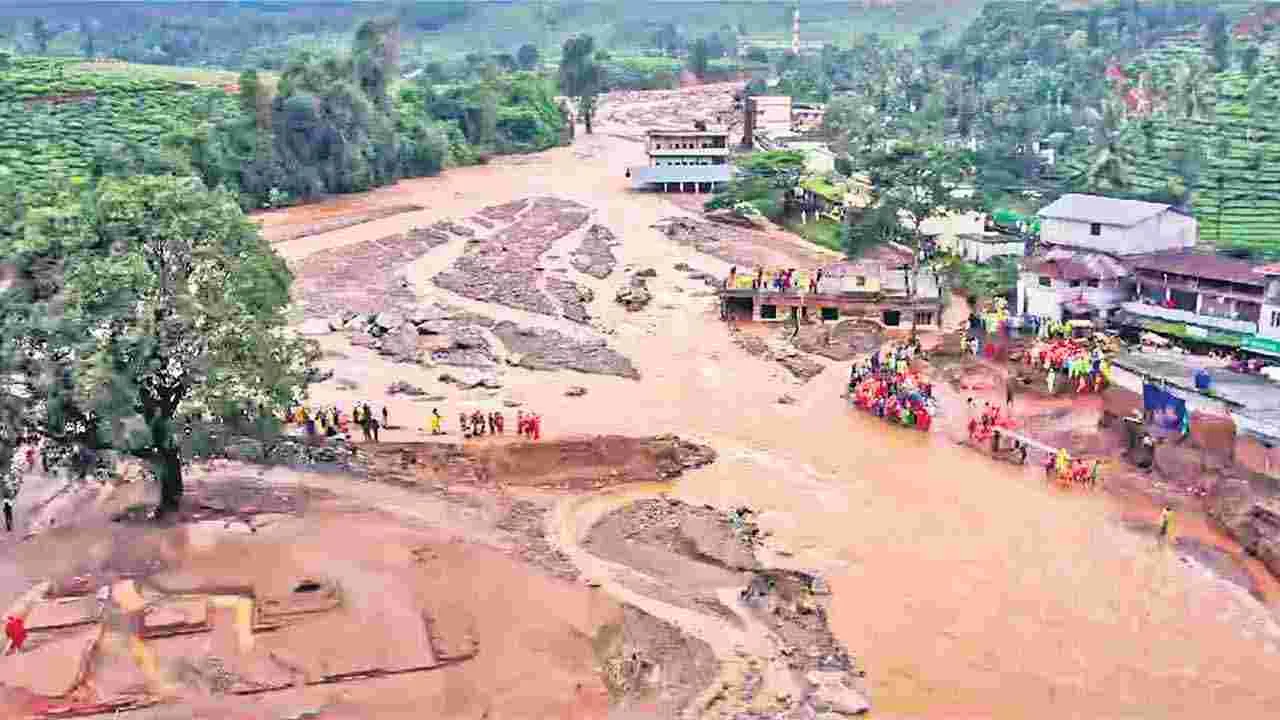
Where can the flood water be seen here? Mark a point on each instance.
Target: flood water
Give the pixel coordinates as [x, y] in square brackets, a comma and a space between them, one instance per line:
[965, 587]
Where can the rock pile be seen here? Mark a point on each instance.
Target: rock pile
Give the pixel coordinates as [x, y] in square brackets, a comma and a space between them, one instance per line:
[573, 298]
[543, 349]
[594, 256]
[503, 268]
[803, 367]
[360, 278]
[634, 295]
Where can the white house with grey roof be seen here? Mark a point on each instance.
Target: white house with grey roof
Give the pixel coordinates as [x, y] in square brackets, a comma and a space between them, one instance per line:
[1081, 271]
[1115, 226]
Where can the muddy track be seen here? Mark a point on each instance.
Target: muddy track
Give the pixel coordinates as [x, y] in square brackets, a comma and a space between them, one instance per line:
[759, 673]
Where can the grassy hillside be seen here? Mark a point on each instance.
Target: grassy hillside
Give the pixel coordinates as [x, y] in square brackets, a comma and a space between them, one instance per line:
[1232, 153]
[55, 112]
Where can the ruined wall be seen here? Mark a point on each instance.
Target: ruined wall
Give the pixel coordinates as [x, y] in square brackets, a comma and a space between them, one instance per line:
[1213, 433]
[1120, 402]
[1257, 456]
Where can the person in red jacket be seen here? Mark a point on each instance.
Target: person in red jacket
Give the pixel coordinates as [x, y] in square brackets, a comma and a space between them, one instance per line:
[16, 630]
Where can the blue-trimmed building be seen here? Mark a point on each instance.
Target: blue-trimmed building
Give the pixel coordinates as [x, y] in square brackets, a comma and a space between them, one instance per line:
[684, 161]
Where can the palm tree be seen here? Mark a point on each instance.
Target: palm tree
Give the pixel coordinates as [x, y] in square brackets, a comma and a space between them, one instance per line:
[1111, 158]
[1191, 90]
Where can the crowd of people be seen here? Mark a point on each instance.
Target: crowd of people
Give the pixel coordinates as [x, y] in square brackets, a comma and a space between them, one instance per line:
[886, 386]
[1067, 470]
[331, 421]
[1081, 364]
[780, 280]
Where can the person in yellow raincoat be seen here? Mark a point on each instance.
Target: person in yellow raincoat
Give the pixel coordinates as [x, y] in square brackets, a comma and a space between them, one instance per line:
[1062, 463]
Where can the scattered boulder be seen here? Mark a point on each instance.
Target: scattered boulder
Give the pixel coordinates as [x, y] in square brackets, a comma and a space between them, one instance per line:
[634, 296]
[512, 403]
[833, 695]
[347, 384]
[786, 400]
[576, 391]
[400, 387]
[594, 257]
[315, 375]
[681, 267]
[468, 380]
[401, 345]
[647, 273]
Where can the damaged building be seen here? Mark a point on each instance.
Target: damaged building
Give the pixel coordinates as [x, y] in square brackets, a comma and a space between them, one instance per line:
[869, 289]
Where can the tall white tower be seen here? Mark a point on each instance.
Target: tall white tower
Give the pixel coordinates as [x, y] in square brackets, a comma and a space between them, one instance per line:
[795, 30]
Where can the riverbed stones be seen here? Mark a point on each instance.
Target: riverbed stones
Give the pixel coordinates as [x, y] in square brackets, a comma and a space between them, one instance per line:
[545, 349]
[573, 298]
[400, 387]
[401, 345]
[503, 268]
[468, 379]
[594, 255]
[575, 391]
[634, 295]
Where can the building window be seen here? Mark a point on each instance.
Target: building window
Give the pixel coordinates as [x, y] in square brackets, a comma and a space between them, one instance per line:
[830, 313]
[1275, 318]
[891, 317]
[861, 281]
[768, 312]
[1046, 281]
[1093, 283]
[924, 318]
[1075, 283]
[1095, 229]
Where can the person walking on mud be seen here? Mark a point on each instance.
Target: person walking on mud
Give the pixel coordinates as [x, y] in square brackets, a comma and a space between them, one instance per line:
[386, 422]
[1166, 524]
[373, 428]
[436, 422]
[8, 513]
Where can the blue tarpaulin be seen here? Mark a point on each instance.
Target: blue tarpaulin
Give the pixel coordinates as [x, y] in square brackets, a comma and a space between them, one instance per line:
[1166, 410]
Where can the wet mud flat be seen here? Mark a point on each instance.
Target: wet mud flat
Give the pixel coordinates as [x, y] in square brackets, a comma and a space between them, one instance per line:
[261, 608]
[702, 560]
[345, 221]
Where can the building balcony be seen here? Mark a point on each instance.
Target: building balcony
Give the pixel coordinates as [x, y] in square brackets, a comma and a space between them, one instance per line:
[1159, 312]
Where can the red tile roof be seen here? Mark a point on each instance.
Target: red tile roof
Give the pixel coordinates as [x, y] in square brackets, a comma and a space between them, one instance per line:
[1200, 265]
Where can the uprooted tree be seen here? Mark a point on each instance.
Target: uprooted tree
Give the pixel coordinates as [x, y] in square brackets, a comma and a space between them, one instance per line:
[131, 308]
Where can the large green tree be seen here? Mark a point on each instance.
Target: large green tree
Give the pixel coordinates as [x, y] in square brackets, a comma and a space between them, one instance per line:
[134, 305]
[581, 75]
[915, 183]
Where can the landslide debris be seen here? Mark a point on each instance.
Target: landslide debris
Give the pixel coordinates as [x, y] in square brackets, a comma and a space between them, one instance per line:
[594, 255]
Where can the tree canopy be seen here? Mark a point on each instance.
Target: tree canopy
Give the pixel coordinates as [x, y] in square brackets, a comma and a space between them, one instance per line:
[581, 75]
[136, 305]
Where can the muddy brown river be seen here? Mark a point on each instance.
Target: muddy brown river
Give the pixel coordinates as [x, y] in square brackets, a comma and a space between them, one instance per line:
[966, 588]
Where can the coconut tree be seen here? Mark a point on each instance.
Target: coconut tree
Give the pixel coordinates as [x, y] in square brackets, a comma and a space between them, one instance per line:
[1111, 158]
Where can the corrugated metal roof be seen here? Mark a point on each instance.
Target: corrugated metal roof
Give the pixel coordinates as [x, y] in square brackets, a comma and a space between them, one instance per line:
[681, 173]
[1076, 265]
[1200, 265]
[1100, 209]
